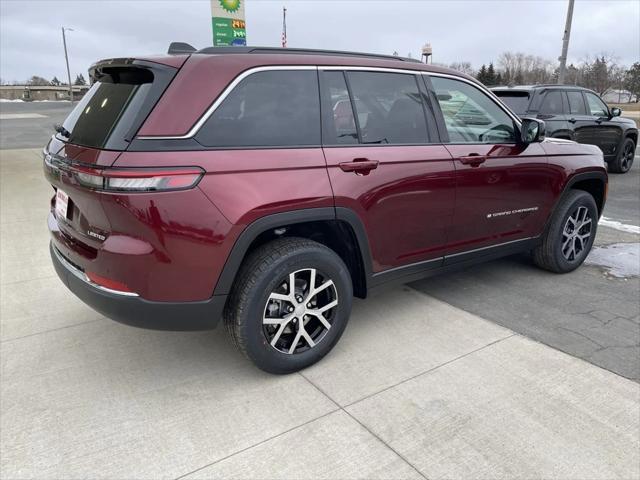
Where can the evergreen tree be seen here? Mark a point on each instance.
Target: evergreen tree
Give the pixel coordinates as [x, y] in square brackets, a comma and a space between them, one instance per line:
[482, 74]
[491, 75]
[55, 82]
[632, 80]
[498, 79]
[80, 80]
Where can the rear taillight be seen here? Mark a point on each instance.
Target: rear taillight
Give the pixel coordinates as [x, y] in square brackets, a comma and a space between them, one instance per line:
[138, 179]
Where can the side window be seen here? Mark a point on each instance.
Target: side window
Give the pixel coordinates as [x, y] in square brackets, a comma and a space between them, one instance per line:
[272, 108]
[596, 106]
[552, 104]
[389, 107]
[340, 124]
[576, 103]
[470, 115]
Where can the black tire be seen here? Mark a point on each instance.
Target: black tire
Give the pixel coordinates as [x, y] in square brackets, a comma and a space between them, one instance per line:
[625, 157]
[552, 253]
[265, 271]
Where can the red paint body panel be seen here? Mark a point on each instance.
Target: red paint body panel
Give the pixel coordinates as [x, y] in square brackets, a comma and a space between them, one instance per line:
[248, 184]
[165, 246]
[406, 203]
[490, 195]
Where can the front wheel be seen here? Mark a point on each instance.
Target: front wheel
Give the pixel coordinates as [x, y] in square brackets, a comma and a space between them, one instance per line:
[570, 234]
[289, 305]
[624, 159]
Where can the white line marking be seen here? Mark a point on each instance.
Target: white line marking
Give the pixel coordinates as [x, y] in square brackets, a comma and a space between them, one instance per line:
[15, 116]
[623, 227]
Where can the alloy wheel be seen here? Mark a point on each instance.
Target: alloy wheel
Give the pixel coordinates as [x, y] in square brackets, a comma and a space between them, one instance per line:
[300, 311]
[627, 156]
[576, 233]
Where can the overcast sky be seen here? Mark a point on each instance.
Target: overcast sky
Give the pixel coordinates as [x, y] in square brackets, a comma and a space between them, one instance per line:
[459, 30]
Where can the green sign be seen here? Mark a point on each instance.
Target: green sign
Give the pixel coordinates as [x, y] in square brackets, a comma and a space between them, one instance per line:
[228, 31]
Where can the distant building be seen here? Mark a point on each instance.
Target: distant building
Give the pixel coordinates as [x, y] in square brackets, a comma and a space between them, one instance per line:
[51, 93]
[618, 96]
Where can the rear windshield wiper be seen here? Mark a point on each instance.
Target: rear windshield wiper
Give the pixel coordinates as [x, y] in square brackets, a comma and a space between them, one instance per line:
[62, 131]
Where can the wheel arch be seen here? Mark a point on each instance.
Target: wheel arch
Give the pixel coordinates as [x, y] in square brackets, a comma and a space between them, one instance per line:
[633, 135]
[340, 229]
[594, 183]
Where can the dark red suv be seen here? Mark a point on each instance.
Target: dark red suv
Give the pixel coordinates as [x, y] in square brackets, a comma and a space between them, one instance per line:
[268, 187]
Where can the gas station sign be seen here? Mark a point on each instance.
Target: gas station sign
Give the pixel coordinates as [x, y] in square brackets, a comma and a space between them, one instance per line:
[227, 21]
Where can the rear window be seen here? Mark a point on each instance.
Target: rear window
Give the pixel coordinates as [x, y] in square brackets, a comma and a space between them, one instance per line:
[516, 101]
[111, 111]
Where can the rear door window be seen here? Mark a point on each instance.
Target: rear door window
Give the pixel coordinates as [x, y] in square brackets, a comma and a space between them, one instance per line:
[339, 120]
[552, 104]
[576, 103]
[389, 108]
[111, 111]
[267, 109]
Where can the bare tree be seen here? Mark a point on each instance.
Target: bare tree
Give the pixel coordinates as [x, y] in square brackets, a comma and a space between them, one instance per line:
[522, 68]
[36, 80]
[463, 67]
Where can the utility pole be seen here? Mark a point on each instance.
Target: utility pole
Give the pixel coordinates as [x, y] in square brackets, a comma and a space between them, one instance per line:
[66, 58]
[284, 27]
[565, 44]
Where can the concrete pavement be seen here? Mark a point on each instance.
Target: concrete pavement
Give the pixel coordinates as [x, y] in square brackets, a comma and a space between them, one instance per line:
[416, 388]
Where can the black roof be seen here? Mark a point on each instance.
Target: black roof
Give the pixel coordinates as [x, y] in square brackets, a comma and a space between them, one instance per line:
[182, 48]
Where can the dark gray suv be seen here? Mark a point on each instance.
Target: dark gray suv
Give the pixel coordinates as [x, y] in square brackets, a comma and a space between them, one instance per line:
[577, 114]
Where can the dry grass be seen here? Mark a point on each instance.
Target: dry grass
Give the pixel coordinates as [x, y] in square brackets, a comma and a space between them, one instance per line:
[627, 107]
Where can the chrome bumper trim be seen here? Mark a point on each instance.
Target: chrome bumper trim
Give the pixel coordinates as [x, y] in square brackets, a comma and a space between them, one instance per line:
[82, 276]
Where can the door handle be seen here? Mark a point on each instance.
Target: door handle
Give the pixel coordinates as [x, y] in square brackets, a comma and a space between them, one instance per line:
[572, 120]
[359, 166]
[473, 159]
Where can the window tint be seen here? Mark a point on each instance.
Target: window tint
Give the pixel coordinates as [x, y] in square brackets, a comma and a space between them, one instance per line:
[596, 106]
[516, 101]
[341, 125]
[470, 115]
[109, 110]
[576, 103]
[552, 104]
[389, 107]
[273, 108]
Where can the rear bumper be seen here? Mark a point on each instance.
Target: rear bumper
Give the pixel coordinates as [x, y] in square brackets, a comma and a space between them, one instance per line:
[135, 311]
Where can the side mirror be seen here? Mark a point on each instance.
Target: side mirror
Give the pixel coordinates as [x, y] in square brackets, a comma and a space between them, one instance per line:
[532, 130]
[616, 112]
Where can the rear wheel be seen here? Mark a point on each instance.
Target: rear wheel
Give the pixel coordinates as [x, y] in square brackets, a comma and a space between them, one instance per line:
[624, 159]
[290, 304]
[570, 235]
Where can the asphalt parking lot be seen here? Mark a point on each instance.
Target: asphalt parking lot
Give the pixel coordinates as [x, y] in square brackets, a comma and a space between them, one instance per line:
[498, 371]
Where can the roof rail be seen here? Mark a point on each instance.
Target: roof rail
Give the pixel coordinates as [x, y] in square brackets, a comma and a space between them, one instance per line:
[300, 51]
[176, 48]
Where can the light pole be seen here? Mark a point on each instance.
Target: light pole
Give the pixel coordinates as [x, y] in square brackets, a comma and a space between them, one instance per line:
[66, 58]
[565, 44]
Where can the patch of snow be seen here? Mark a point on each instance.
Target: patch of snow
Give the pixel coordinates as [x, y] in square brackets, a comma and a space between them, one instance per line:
[623, 227]
[622, 260]
[6, 100]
